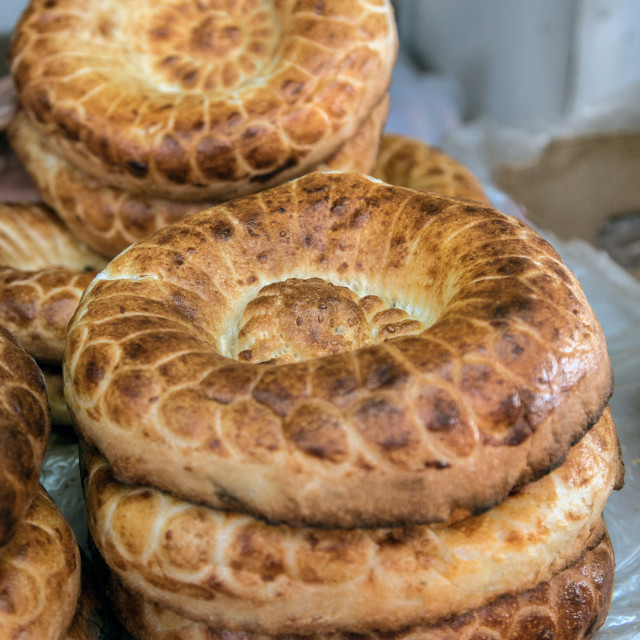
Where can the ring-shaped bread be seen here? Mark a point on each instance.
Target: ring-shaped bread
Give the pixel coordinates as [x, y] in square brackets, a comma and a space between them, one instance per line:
[337, 351]
[39, 575]
[44, 270]
[201, 100]
[409, 162]
[24, 431]
[109, 219]
[236, 572]
[572, 605]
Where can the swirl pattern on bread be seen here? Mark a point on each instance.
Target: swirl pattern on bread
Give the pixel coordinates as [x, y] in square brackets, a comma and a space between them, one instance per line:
[461, 357]
[198, 100]
[572, 605]
[235, 572]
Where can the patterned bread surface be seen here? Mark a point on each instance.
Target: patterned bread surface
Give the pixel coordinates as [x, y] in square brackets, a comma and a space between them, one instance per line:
[24, 431]
[408, 162]
[43, 271]
[572, 605]
[109, 219]
[236, 572]
[337, 351]
[205, 100]
[39, 575]
[359, 153]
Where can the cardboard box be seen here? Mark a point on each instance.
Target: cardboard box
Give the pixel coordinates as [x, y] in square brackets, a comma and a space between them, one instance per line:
[586, 186]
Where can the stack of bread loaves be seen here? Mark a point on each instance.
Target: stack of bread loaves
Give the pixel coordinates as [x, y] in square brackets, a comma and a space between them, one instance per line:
[322, 407]
[39, 557]
[45, 593]
[44, 270]
[339, 406]
[135, 115]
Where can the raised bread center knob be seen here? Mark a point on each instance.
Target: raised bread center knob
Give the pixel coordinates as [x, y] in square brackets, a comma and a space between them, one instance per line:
[205, 46]
[215, 36]
[300, 319]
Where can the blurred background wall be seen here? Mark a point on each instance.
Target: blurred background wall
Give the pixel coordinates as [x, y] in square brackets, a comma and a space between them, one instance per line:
[517, 59]
[9, 12]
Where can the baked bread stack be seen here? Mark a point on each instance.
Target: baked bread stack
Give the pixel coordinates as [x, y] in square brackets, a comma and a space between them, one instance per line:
[340, 407]
[39, 557]
[334, 406]
[134, 116]
[44, 270]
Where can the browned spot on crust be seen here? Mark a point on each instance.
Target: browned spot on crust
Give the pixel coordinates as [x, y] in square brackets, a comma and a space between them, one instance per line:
[501, 376]
[318, 433]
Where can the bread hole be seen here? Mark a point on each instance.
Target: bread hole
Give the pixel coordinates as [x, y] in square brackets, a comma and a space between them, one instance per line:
[299, 319]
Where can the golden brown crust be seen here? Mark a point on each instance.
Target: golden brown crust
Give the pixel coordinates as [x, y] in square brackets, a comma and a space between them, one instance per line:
[39, 575]
[511, 369]
[210, 103]
[24, 431]
[106, 218]
[43, 271]
[37, 307]
[572, 605]
[32, 237]
[359, 153]
[235, 572]
[408, 162]
[109, 219]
